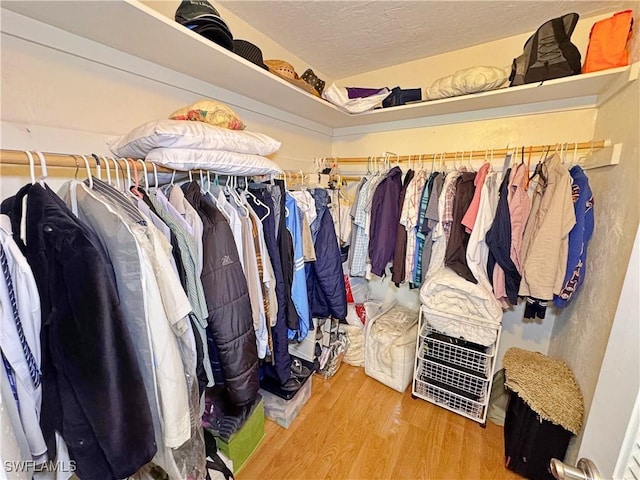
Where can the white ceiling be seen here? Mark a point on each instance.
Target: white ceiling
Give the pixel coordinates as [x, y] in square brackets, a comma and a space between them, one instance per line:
[344, 38]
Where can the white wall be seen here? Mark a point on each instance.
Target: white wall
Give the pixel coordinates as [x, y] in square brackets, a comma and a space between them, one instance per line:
[58, 102]
[619, 378]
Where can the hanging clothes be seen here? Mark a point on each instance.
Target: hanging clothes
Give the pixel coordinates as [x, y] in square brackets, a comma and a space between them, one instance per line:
[409, 220]
[20, 342]
[506, 278]
[471, 214]
[477, 249]
[360, 243]
[398, 270]
[280, 368]
[293, 217]
[420, 236]
[579, 237]
[325, 279]
[546, 236]
[385, 213]
[439, 234]
[230, 318]
[519, 208]
[455, 255]
[285, 245]
[87, 351]
[137, 287]
[431, 220]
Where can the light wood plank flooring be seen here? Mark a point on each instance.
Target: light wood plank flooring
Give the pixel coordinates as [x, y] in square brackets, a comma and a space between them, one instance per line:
[354, 427]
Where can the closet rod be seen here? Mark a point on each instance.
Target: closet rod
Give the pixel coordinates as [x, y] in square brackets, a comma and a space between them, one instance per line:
[66, 160]
[293, 176]
[480, 154]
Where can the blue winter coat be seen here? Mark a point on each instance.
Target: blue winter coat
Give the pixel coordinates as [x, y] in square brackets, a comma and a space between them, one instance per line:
[325, 280]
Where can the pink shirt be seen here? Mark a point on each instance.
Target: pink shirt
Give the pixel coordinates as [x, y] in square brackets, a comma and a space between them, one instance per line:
[469, 219]
[519, 208]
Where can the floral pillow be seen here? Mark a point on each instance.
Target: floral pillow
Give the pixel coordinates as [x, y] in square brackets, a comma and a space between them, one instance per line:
[212, 112]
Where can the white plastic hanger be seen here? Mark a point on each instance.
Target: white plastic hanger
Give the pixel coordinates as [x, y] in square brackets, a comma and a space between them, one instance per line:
[86, 164]
[43, 168]
[116, 167]
[155, 176]
[32, 167]
[107, 169]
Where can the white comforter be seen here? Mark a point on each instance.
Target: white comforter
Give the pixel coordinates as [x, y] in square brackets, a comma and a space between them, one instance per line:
[460, 308]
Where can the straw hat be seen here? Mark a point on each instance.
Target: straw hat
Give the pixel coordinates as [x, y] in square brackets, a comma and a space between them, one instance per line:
[286, 71]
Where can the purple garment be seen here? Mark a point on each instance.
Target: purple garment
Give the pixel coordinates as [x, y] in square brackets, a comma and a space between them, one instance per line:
[385, 215]
[357, 92]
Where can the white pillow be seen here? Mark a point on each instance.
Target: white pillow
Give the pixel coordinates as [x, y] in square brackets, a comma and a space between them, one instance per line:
[470, 80]
[227, 163]
[188, 134]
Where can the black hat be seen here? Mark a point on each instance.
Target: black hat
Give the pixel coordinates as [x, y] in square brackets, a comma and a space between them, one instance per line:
[250, 52]
[313, 80]
[201, 17]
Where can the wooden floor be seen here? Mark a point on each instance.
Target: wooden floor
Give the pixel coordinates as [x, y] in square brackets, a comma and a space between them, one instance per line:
[354, 427]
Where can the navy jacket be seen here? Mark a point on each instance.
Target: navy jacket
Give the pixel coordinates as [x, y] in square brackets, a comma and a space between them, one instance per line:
[385, 215]
[499, 242]
[280, 370]
[92, 389]
[325, 280]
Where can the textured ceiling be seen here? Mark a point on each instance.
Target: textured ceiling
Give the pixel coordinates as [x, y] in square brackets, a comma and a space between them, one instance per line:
[344, 38]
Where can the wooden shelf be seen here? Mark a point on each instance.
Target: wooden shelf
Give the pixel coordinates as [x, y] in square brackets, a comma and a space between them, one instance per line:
[135, 29]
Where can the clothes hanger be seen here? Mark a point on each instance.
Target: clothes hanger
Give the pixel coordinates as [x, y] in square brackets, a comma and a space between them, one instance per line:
[585, 157]
[117, 167]
[173, 177]
[107, 170]
[237, 198]
[32, 168]
[134, 187]
[155, 176]
[98, 166]
[89, 176]
[43, 168]
[145, 177]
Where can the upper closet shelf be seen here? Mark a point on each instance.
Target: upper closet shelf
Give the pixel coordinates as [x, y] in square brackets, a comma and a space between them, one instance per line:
[135, 29]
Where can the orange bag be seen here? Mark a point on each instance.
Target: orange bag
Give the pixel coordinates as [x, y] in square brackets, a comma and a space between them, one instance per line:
[608, 43]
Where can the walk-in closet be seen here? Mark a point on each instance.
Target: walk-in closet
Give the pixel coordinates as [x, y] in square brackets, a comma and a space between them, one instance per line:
[319, 240]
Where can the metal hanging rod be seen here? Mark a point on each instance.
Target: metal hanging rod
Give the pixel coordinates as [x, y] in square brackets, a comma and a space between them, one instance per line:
[478, 154]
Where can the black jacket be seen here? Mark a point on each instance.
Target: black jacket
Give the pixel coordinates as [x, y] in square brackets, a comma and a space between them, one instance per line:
[227, 296]
[92, 389]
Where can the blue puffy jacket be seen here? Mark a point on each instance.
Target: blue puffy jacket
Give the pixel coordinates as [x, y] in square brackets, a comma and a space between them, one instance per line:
[325, 280]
